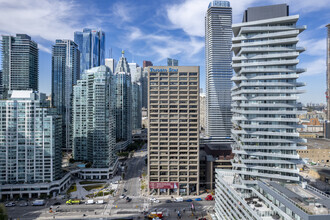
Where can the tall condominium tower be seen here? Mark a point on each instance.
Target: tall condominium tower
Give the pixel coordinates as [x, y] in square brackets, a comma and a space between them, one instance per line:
[136, 106]
[265, 97]
[19, 63]
[144, 84]
[218, 36]
[136, 78]
[111, 63]
[65, 73]
[30, 146]
[123, 100]
[173, 133]
[265, 122]
[172, 62]
[94, 123]
[91, 44]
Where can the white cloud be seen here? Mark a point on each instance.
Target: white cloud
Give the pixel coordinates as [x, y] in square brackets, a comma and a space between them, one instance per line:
[123, 12]
[189, 15]
[47, 19]
[162, 45]
[304, 6]
[315, 67]
[44, 48]
[314, 47]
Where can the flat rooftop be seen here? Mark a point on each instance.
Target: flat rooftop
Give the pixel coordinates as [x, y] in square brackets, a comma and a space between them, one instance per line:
[308, 199]
[317, 143]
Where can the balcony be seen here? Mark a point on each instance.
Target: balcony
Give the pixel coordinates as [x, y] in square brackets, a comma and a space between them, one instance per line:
[238, 66]
[263, 35]
[283, 41]
[263, 154]
[269, 49]
[267, 56]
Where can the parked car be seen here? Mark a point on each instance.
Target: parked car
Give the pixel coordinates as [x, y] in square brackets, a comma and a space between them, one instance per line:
[22, 204]
[168, 201]
[57, 203]
[188, 200]
[198, 199]
[10, 204]
[209, 198]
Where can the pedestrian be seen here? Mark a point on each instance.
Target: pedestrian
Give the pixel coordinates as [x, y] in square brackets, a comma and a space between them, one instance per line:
[184, 210]
[174, 210]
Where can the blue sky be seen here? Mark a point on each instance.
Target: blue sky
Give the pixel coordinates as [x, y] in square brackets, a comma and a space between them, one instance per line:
[154, 30]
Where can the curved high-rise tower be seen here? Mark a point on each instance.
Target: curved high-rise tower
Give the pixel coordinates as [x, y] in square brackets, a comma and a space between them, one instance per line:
[218, 36]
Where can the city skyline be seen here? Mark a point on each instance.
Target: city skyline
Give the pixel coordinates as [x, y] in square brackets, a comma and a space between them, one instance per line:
[167, 34]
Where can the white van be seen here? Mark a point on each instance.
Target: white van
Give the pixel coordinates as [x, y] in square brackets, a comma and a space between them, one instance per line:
[179, 199]
[100, 201]
[89, 202]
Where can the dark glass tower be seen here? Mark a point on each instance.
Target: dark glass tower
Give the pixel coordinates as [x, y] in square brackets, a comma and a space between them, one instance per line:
[65, 73]
[19, 63]
[91, 44]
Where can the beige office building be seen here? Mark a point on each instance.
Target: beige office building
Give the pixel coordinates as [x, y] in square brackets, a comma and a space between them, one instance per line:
[173, 133]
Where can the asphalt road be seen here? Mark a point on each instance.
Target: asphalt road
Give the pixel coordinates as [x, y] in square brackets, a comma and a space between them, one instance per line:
[116, 206]
[134, 170]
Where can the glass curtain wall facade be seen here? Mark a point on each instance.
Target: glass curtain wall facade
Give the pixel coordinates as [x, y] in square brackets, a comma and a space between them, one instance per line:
[218, 36]
[65, 73]
[265, 97]
[123, 100]
[91, 44]
[30, 139]
[20, 63]
[94, 124]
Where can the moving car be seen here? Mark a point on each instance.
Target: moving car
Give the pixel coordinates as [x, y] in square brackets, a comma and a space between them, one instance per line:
[57, 203]
[23, 204]
[10, 204]
[154, 200]
[122, 196]
[71, 202]
[39, 202]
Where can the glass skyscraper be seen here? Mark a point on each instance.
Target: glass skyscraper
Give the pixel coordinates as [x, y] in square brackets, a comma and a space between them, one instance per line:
[218, 36]
[65, 73]
[91, 44]
[94, 124]
[123, 100]
[136, 78]
[20, 63]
